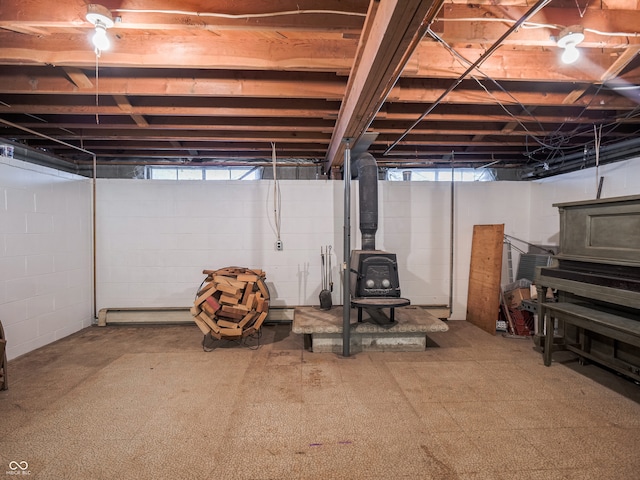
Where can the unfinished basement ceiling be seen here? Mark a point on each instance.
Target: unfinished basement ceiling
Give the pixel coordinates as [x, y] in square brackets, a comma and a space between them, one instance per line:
[219, 82]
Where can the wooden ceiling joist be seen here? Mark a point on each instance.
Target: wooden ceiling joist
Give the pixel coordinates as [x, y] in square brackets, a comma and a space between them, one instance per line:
[199, 85]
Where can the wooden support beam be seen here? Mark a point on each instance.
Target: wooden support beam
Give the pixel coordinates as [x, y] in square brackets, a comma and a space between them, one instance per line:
[29, 80]
[203, 110]
[391, 33]
[184, 51]
[143, 82]
[125, 106]
[78, 78]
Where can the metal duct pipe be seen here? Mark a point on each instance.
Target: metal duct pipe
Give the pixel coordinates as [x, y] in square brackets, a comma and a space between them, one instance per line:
[38, 157]
[624, 150]
[365, 169]
[346, 273]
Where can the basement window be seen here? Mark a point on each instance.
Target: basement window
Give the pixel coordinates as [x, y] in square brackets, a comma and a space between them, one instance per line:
[203, 173]
[233, 173]
[438, 175]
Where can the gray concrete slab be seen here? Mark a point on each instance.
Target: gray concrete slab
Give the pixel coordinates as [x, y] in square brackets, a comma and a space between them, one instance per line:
[407, 333]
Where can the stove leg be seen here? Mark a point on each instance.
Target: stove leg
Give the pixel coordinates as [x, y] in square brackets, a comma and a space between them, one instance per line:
[359, 314]
[392, 315]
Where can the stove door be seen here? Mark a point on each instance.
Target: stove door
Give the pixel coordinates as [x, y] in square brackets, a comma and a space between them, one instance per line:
[378, 276]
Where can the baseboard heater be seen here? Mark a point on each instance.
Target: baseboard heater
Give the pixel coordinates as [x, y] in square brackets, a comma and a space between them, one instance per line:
[171, 316]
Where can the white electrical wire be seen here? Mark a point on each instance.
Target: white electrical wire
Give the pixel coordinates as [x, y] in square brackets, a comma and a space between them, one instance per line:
[245, 16]
[526, 25]
[532, 25]
[597, 138]
[97, 88]
[242, 15]
[277, 202]
[612, 34]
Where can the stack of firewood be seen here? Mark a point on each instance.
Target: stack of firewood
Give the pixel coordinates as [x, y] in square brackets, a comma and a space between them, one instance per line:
[231, 303]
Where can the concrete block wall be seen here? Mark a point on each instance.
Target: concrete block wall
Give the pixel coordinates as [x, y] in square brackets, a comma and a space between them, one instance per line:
[156, 237]
[45, 255]
[416, 224]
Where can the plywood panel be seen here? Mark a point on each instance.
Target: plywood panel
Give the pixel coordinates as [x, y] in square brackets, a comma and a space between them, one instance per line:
[483, 301]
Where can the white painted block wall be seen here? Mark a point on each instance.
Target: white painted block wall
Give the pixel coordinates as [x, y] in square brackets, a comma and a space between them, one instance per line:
[45, 255]
[156, 237]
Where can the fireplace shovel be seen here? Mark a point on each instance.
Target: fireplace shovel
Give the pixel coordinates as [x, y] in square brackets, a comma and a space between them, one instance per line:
[325, 293]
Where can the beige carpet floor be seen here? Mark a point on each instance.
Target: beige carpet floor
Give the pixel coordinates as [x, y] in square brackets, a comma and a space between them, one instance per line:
[148, 403]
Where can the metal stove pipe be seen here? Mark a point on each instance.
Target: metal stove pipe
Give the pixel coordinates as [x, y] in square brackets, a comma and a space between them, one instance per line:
[365, 169]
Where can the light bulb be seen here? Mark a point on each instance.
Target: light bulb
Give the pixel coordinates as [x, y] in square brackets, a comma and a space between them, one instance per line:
[570, 54]
[100, 39]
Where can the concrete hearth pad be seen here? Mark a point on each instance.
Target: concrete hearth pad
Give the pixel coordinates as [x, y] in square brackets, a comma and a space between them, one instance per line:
[407, 333]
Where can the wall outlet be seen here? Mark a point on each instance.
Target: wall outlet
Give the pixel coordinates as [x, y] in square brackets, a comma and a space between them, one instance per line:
[279, 245]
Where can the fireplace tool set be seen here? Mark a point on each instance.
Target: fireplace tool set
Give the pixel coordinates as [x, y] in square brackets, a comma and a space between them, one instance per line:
[327, 281]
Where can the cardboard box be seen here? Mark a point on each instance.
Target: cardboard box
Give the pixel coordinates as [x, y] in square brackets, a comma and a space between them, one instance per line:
[514, 298]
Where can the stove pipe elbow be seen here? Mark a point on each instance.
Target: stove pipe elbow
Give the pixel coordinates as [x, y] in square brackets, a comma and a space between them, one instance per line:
[365, 169]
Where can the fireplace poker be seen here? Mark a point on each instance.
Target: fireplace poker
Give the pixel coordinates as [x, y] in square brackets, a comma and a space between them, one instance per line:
[330, 274]
[325, 294]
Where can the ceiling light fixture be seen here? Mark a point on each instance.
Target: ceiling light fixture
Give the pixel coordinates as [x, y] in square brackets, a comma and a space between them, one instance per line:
[101, 18]
[568, 40]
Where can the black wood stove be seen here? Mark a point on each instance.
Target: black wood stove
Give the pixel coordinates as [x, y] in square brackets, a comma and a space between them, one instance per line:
[374, 282]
